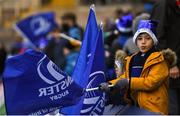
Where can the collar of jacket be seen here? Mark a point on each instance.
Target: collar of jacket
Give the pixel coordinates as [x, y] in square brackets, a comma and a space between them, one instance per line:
[154, 58]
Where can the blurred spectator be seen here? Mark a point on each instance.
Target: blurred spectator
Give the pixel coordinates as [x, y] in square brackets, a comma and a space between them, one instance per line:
[110, 35]
[119, 63]
[124, 25]
[115, 101]
[167, 13]
[109, 61]
[71, 56]
[119, 13]
[18, 46]
[3, 55]
[54, 49]
[108, 26]
[110, 29]
[70, 27]
[148, 6]
[129, 46]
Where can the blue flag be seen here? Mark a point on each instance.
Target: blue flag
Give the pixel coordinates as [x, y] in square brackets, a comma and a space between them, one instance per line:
[94, 101]
[88, 44]
[35, 85]
[90, 36]
[36, 26]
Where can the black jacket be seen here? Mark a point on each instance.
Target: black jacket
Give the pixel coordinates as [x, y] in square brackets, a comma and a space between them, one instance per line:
[168, 32]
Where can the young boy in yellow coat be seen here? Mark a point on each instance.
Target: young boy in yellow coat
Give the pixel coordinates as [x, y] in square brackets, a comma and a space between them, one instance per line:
[146, 72]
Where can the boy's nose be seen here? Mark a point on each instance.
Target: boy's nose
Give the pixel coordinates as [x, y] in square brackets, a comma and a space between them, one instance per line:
[143, 40]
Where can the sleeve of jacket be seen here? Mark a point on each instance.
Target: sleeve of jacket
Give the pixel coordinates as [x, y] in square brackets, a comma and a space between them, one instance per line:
[156, 76]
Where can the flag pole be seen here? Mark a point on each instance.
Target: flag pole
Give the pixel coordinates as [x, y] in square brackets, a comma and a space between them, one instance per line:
[69, 38]
[97, 88]
[72, 40]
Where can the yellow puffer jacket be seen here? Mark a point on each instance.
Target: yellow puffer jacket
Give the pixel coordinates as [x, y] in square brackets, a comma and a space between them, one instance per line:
[150, 89]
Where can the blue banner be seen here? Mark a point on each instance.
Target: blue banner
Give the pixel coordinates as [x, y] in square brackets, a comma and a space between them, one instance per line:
[94, 101]
[88, 44]
[35, 85]
[36, 26]
[89, 39]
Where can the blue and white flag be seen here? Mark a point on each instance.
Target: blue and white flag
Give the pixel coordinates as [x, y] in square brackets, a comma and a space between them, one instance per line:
[36, 26]
[89, 39]
[33, 84]
[94, 101]
[88, 44]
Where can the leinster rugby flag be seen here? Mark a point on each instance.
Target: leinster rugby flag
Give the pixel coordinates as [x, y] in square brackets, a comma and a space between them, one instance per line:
[35, 85]
[36, 26]
[94, 101]
[88, 44]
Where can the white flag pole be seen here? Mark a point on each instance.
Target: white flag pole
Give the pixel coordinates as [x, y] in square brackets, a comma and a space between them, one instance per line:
[64, 36]
[96, 88]
[69, 38]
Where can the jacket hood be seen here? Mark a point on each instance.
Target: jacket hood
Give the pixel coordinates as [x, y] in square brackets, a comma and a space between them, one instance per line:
[170, 57]
[120, 55]
[120, 58]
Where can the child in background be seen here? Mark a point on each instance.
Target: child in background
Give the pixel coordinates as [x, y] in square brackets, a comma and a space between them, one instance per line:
[115, 102]
[119, 62]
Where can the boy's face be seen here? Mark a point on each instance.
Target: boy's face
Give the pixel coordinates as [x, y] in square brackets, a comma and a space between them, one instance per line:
[144, 42]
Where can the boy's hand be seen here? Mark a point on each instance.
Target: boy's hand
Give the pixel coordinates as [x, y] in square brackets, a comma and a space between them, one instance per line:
[104, 87]
[122, 83]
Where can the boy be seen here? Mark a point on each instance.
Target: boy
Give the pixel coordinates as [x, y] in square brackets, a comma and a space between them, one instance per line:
[146, 72]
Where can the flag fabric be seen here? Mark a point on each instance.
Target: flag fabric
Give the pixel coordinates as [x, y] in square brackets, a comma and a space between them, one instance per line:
[90, 36]
[94, 101]
[33, 84]
[89, 39]
[36, 26]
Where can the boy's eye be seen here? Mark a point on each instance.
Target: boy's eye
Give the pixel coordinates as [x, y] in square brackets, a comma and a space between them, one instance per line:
[148, 38]
[139, 38]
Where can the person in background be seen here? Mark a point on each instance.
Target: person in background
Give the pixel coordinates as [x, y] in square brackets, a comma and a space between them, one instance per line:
[70, 27]
[109, 62]
[146, 72]
[124, 25]
[110, 29]
[111, 33]
[3, 56]
[167, 13]
[115, 101]
[54, 49]
[119, 63]
[71, 56]
[18, 46]
[55, 46]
